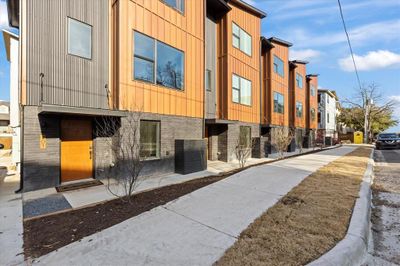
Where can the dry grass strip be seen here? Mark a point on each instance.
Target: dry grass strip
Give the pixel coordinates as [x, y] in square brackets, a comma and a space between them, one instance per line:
[310, 220]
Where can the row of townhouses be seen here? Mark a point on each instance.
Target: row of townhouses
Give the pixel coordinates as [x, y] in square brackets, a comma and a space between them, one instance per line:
[195, 70]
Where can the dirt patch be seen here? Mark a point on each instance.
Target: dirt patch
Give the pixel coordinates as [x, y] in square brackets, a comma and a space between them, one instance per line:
[46, 234]
[310, 220]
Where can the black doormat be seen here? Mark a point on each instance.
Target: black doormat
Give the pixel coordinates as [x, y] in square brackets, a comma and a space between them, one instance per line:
[79, 185]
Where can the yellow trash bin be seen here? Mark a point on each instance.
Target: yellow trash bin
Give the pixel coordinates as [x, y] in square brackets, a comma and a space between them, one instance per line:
[358, 137]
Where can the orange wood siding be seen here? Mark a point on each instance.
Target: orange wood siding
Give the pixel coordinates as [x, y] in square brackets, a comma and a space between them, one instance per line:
[299, 95]
[312, 102]
[233, 61]
[184, 32]
[277, 83]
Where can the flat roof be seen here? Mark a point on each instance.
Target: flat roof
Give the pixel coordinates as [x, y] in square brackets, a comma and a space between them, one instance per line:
[250, 8]
[300, 62]
[280, 41]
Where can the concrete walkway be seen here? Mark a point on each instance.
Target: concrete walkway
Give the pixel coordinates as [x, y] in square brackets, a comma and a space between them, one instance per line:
[11, 251]
[197, 228]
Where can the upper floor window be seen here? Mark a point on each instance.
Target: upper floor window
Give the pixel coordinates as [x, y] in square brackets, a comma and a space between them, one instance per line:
[327, 118]
[299, 80]
[319, 117]
[312, 114]
[241, 39]
[155, 61]
[177, 4]
[241, 90]
[279, 66]
[299, 109]
[279, 103]
[79, 38]
[312, 90]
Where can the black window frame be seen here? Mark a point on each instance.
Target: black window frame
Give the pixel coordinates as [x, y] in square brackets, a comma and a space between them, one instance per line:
[277, 66]
[155, 62]
[240, 90]
[299, 77]
[158, 156]
[277, 104]
[240, 40]
[91, 38]
[297, 110]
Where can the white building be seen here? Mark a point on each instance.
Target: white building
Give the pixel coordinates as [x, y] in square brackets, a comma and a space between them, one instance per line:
[327, 115]
[11, 42]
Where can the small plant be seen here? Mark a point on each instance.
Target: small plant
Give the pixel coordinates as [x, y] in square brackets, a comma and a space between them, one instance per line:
[243, 148]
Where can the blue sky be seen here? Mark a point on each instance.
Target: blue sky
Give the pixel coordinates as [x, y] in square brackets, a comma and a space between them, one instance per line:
[315, 29]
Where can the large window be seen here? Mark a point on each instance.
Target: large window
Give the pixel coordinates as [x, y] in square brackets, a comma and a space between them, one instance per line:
[299, 80]
[299, 109]
[144, 58]
[312, 90]
[79, 39]
[245, 137]
[312, 114]
[152, 56]
[279, 103]
[169, 66]
[149, 139]
[241, 90]
[241, 39]
[177, 4]
[279, 66]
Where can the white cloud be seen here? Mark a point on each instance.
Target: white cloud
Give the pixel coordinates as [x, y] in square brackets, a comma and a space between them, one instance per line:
[371, 61]
[306, 54]
[384, 31]
[3, 15]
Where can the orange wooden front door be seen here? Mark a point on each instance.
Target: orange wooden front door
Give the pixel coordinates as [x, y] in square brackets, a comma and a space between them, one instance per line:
[76, 149]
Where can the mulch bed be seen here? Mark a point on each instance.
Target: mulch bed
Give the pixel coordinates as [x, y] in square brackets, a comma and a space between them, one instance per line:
[45, 234]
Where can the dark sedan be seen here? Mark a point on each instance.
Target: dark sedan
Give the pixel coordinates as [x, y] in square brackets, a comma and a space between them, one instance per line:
[387, 141]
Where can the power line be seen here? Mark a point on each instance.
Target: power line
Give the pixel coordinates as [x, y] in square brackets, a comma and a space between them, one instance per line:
[348, 41]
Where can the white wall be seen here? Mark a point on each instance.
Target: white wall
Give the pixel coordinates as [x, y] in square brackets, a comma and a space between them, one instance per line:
[14, 101]
[327, 107]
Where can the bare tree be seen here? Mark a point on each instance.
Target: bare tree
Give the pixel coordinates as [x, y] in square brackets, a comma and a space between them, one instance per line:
[243, 150]
[281, 137]
[371, 102]
[121, 137]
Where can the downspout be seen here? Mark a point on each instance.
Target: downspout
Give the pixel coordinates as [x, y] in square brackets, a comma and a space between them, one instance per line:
[260, 77]
[204, 70]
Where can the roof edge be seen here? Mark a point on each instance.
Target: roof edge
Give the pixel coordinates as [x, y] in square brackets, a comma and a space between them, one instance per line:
[261, 14]
[300, 62]
[280, 41]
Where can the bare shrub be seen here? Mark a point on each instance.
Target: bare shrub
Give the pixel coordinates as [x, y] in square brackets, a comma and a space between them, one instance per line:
[122, 137]
[243, 150]
[281, 137]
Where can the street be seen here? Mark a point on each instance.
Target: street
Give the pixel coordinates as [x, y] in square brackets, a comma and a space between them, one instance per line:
[385, 215]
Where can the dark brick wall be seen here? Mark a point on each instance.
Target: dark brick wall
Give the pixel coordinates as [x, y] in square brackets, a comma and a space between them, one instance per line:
[41, 167]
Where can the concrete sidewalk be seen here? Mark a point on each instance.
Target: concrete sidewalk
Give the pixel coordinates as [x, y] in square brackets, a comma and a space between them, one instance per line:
[197, 228]
[11, 230]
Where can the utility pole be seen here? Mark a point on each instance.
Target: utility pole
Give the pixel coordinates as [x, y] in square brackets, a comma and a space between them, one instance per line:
[368, 103]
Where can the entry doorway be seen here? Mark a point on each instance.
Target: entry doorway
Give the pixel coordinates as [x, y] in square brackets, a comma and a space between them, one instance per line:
[76, 149]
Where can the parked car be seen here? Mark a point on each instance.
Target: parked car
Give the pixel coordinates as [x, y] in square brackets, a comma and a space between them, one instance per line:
[387, 140]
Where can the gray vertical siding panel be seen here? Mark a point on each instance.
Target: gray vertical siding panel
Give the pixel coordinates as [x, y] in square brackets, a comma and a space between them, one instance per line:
[211, 64]
[69, 80]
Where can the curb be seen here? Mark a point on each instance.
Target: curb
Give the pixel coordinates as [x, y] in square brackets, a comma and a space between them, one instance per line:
[354, 247]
